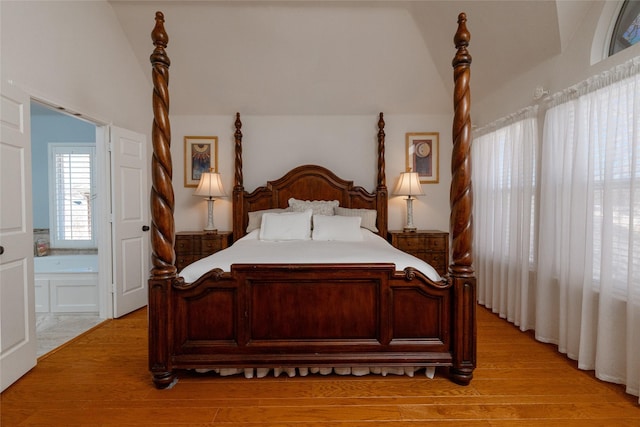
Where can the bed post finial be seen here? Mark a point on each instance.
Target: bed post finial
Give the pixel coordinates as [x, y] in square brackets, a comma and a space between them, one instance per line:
[461, 274]
[461, 41]
[159, 35]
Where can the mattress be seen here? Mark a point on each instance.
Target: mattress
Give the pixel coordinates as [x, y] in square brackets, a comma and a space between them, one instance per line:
[252, 250]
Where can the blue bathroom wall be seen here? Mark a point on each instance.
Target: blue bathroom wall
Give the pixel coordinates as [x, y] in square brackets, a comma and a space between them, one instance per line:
[47, 126]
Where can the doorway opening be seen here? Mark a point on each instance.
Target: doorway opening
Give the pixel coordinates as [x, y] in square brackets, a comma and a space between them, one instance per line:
[67, 243]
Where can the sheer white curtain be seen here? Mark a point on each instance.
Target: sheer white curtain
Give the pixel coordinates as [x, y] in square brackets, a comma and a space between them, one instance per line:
[588, 285]
[504, 155]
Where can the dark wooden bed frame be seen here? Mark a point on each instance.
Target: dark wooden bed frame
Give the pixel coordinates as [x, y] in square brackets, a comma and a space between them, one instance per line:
[310, 315]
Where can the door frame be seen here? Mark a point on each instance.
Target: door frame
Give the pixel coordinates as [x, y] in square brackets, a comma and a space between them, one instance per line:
[103, 175]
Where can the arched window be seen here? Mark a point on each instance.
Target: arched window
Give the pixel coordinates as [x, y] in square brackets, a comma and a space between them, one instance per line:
[627, 29]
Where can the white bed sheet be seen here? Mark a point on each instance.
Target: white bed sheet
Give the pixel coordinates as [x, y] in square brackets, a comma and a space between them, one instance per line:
[251, 250]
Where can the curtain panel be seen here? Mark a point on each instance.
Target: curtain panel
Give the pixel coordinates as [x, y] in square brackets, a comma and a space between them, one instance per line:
[504, 180]
[588, 288]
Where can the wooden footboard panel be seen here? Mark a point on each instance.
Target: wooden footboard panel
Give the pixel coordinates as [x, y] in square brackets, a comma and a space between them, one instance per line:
[310, 315]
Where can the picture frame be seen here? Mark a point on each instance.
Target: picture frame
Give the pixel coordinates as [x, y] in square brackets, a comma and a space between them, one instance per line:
[423, 155]
[200, 155]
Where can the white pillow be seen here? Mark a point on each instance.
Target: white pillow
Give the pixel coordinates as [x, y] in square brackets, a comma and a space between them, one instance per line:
[368, 216]
[343, 228]
[319, 207]
[286, 226]
[255, 218]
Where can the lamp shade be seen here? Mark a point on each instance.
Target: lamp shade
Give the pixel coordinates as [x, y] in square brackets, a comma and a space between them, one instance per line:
[210, 186]
[409, 185]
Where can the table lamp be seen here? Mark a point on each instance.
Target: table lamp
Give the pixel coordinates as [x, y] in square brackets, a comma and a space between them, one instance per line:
[409, 185]
[210, 187]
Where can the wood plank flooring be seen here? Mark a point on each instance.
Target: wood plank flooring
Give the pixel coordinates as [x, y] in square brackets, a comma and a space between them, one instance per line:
[101, 379]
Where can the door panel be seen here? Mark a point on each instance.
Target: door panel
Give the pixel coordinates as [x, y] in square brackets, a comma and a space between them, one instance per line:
[17, 300]
[130, 195]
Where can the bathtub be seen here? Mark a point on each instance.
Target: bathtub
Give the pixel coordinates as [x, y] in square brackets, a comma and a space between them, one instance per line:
[66, 283]
[66, 264]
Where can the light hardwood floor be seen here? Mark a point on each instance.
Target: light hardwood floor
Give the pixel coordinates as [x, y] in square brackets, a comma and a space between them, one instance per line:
[101, 379]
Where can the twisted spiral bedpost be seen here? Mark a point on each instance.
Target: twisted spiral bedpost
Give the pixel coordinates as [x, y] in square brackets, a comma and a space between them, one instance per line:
[461, 272]
[461, 196]
[238, 186]
[163, 272]
[381, 190]
[162, 196]
[238, 182]
[381, 166]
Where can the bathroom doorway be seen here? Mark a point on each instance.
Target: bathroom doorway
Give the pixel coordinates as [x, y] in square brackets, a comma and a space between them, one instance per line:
[65, 221]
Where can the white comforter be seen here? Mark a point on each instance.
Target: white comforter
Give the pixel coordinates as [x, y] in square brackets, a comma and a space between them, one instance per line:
[251, 250]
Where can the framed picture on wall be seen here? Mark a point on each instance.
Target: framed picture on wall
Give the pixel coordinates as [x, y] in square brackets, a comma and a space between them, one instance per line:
[423, 155]
[200, 155]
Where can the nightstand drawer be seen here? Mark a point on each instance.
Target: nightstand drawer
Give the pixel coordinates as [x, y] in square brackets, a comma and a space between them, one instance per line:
[184, 260]
[411, 243]
[212, 244]
[436, 243]
[435, 260]
[430, 246]
[421, 242]
[184, 244]
[192, 246]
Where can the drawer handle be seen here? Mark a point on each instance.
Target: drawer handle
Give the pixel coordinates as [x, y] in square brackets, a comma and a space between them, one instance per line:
[145, 228]
[1, 250]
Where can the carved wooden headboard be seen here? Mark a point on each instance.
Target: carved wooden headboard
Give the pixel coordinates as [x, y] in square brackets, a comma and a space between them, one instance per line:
[307, 182]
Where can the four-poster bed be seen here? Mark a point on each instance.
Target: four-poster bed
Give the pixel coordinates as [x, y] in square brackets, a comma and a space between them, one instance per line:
[283, 315]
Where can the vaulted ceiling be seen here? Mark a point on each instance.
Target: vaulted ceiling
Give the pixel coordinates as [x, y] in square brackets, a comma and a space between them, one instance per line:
[341, 57]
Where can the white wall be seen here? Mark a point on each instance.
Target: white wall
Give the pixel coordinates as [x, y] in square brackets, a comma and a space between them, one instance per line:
[572, 66]
[272, 145]
[74, 54]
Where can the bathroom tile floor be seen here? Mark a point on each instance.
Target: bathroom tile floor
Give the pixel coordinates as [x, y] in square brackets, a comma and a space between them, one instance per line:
[54, 329]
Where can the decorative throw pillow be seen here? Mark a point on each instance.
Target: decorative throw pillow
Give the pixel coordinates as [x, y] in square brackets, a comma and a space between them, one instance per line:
[319, 207]
[286, 226]
[255, 218]
[368, 216]
[342, 228]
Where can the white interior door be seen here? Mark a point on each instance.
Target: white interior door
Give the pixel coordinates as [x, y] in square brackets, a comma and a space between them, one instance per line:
[130, 216]
[17, 305]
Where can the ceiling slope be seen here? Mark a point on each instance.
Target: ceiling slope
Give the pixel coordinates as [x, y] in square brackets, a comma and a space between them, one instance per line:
[336, 57]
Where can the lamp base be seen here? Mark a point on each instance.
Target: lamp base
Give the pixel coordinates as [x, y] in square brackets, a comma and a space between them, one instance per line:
[210, 228]
[409, 228]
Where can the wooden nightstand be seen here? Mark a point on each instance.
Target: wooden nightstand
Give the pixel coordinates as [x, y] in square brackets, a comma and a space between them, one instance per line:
[191, 246]
[431, 246]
